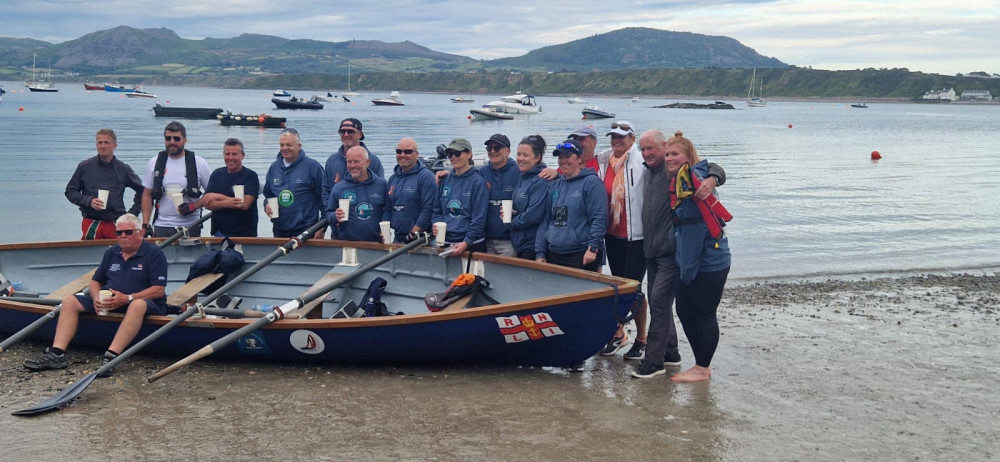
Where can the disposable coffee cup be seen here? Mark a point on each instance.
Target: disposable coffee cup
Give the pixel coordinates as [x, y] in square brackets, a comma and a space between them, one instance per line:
[178, 199]
[272, 202]
[345, 205]
[440, 228]
[386, 231]
[104, 296]
[238, 192]
[507, 207]
[102, 194]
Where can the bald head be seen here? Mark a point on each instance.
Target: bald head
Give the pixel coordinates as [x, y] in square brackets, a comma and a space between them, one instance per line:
[406, 160]
[358, 162]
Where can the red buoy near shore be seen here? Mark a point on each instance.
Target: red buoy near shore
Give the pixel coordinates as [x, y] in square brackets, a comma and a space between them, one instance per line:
[20, 109]
[789, 125]
[876, 155]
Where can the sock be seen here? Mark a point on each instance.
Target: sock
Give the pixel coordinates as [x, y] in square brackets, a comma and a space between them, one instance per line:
[110, 353]
[57, 351]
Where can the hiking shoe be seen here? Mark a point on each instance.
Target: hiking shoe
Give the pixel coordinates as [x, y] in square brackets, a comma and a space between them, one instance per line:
[614, 345]
[575, 367]
[647, 370]
[638, 351]
[672, 359]
[107, 358]
[47, 360]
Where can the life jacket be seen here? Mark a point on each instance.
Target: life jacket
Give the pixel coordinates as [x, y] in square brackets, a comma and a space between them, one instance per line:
[193, 190]
[226, 260]
[713, 213]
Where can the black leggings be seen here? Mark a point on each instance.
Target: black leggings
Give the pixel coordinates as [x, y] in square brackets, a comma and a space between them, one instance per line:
[697, 305]
[625, 258]
[574, 260]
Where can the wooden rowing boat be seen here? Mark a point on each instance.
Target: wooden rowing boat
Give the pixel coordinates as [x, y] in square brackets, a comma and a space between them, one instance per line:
[543, 315]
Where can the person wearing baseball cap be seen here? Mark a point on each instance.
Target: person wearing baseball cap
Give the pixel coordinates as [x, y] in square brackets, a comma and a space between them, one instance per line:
[462, 201]
[587, 137]
[501, 175]
[351, 135]
[621, 171]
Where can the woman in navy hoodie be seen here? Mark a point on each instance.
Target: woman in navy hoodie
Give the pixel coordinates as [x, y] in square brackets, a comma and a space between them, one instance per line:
[463, 201]
[529, 197]
[576, 214]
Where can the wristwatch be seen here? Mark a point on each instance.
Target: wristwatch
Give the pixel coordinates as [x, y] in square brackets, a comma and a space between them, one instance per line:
[130, 298]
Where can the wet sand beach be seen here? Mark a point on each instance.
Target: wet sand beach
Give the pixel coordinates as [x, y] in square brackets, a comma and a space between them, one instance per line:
[886, 368]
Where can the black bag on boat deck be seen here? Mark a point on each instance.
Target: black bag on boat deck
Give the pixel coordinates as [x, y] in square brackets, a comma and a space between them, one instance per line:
[372, 301]
[225, 260]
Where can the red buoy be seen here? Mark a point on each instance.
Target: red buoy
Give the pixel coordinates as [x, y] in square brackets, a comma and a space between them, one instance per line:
[789, 125]
[876, 155]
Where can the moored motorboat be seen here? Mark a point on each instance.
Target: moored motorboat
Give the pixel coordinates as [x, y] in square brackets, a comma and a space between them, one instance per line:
[392, 100]
[485, 113]
[576, 100]
[119, 88]
[186, 112]
[515, 104]
[594, 112]
[331, 98]
[459, 99]
[140, 94]
[93, 87]
[531, 314]
[251, 120]
[281, 93]
[297, 103]
[860, 105]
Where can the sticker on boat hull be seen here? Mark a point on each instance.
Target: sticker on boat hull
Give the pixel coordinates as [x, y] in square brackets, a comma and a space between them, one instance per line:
[253, 343]
[516, 329]
[307, 341]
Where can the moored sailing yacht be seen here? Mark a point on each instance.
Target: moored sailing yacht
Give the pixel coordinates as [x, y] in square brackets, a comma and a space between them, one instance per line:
[758, 100]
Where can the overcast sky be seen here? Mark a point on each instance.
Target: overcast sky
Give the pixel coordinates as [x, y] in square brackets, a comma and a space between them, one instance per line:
[921, 35]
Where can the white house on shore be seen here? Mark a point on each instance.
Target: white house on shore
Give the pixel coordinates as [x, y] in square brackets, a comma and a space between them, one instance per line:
[977, 95]
[944, 93]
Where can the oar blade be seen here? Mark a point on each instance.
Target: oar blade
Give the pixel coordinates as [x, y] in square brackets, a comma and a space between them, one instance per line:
[59, 400]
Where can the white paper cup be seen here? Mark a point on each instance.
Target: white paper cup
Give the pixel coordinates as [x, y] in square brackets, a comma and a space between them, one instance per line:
[440, 228]
[238, 192]
[178, 199]
[102, 194]
[272, 202]
[507, 207]
[345, 205]
[386, 232]
[104, 296]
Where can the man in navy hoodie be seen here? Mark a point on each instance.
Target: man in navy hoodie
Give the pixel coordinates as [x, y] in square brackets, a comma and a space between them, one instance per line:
[501, 175]
[299, 184]
[412, 193]
[336, 165]
[367, 194]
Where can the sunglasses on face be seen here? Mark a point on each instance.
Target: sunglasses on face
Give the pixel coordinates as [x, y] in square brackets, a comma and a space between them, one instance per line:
[405, 151]
[494, 147]
[348, 131]
[621, 126]
[125, 232]
[453, 153]
[175, 138]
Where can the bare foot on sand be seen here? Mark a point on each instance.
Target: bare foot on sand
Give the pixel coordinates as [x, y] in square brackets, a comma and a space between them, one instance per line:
[694, 374]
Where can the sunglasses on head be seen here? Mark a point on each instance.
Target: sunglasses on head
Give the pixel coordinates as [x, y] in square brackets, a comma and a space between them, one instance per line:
[405, 151]
[174, 138]
[125, 232]
[290, 130]
[566, 149]
[622, 126]
[453, 153]
[347, 131]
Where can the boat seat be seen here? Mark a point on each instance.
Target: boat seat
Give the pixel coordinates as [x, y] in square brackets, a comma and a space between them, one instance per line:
[308, 310]
[189, 291]
[73, 286]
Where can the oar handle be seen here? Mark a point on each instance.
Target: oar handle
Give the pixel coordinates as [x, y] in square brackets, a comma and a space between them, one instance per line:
[180, 232]
[29, 329]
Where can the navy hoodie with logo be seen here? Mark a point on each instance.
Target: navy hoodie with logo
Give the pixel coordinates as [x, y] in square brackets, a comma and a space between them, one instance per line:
[411, 200]
[500, 183]
[462, 204]
[529, 208]
[336, 167]
[367, 205]
[299, 188]
[576, 215]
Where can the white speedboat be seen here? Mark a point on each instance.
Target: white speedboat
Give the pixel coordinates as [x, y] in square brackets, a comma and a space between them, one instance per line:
[140, 94]
[576, 100]
[486, 113]
[280, 93]
[594, 112]
[635, 99]
[515, 104]
[392, 100]
[459, 99]
[332, 98]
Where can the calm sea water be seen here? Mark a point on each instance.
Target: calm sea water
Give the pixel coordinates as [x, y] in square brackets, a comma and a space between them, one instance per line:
[807, 199]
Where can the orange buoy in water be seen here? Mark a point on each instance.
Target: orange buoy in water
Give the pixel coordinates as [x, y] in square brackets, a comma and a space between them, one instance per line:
[876, 155]
[789, 125]
[20, 109]
[260, 119]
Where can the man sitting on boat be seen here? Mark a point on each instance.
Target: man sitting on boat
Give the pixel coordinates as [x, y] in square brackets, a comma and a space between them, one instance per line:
[134, 272]
[175, 180]
[103, 172]
[233, 216]
[367, 193]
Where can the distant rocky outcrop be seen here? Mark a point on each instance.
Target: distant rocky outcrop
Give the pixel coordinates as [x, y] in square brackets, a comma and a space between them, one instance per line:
[679, 105]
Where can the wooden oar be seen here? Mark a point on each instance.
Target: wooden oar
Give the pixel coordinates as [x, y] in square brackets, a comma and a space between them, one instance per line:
[71, 392]
[279, 312]
[38, 323]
